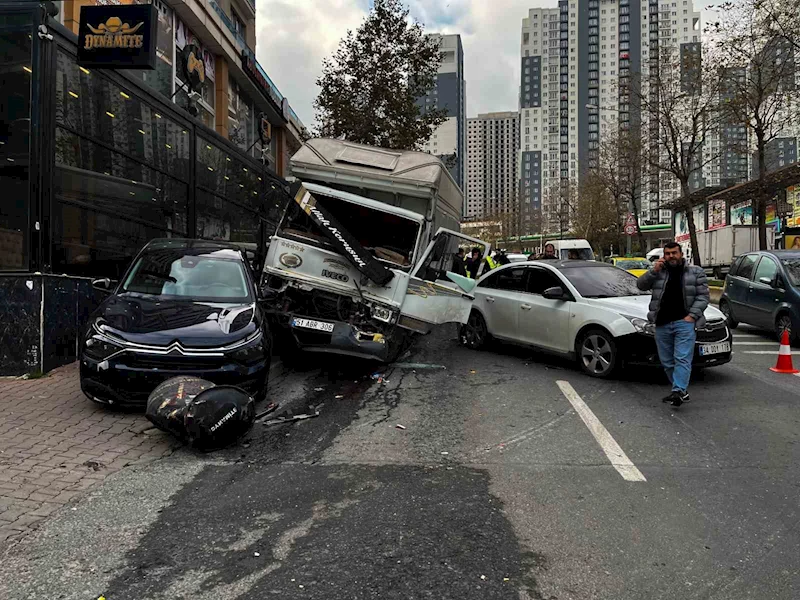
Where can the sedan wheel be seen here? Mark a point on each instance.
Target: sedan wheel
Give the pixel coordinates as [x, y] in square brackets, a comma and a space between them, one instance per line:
[784, 323]
[597, 354]
[474, 332]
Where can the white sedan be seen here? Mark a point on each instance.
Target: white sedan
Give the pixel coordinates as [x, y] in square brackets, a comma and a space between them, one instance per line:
[589, 311]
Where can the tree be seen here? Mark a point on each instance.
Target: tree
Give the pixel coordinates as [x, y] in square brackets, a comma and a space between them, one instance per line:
[369, 88]
[596, 217]
[621, 156]
[782, 18]
[758, 72]
[680, 98]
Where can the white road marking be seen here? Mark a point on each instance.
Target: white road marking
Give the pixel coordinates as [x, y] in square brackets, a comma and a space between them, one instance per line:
[738, 343]
[794, 352]
[619, 460]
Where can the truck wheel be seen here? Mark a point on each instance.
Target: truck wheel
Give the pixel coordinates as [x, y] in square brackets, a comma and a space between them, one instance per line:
[725, 309]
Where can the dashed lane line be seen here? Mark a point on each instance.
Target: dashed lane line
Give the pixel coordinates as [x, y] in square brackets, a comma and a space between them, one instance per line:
[619, 460]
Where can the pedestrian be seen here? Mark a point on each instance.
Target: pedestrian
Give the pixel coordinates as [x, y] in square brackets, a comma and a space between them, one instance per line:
[680, 297]
[501, 258]
[549, 253]
[459, 268]
[474, 263]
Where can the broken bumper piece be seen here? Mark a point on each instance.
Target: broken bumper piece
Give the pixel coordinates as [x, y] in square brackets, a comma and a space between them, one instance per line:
[344, 339]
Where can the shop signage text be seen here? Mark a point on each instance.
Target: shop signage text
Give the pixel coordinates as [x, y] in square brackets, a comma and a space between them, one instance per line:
[118, 36]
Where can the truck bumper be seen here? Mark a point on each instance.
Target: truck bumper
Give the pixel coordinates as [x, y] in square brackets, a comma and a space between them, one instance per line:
[345, 339]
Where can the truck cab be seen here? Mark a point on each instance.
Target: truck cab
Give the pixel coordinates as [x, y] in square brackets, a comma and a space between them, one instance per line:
[363, 259]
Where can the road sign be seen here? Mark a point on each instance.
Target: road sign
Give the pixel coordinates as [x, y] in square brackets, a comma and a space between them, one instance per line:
[630, 220]
[630, 229]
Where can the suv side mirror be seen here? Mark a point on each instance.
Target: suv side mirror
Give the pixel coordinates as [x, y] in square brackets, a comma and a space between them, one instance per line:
[103, 285]
[554, 293]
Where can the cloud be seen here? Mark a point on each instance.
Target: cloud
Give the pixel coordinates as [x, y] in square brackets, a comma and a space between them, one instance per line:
[295, 35]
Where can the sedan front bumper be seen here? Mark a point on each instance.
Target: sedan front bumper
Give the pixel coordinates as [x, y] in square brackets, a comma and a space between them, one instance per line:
[640, 350]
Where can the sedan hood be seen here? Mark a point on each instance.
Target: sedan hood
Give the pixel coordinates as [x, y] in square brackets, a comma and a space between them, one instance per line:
[638, 306]
[151, 320]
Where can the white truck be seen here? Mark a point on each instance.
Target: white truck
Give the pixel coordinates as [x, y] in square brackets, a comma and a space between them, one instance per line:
[365, 254]
[718, 247]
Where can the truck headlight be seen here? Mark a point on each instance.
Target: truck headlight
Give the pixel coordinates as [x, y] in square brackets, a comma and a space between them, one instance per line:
[381, 313]
[641, 325]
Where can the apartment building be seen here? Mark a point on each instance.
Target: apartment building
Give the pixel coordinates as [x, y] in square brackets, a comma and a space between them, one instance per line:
[492, 176]
[449, 92]
[577, 61]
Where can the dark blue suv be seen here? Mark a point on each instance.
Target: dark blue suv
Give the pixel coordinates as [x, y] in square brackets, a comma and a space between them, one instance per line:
[763, 289]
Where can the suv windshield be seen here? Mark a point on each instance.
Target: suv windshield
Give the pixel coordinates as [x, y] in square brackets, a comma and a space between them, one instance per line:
[176, 273]
[792, 267]
[602, 282]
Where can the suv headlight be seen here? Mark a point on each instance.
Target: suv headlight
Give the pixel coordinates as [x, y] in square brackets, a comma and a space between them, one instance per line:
[251, 351]
[641, 325]
[100, 347]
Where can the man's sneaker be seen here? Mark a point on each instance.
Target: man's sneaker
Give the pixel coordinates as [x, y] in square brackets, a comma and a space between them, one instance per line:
[684, 397]
[669, 398]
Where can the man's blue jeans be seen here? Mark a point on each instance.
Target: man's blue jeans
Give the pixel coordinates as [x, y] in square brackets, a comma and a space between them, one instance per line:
[675, 342]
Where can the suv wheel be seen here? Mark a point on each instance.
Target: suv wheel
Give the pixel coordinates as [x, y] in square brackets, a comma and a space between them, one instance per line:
[725, 309]
[784, 323]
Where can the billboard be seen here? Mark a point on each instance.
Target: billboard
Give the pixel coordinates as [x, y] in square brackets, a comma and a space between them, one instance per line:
[742, 213]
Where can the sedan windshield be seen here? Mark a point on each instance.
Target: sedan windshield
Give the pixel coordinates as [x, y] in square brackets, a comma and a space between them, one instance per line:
[174, 273]
[792, 266]
[602, 282]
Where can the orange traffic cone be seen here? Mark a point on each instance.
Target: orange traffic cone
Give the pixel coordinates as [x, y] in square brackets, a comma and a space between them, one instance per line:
[784, 357]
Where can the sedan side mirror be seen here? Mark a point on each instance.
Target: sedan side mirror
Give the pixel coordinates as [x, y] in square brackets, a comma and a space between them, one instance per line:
[103, 285]
[554, 293]
[765, 280]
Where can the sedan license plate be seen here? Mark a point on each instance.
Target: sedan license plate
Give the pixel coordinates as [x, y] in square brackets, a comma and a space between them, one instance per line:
[721, 348]
[311, 324]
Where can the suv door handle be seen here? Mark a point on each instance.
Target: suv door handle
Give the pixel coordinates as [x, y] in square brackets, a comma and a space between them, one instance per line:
[489, 299]
[525, 306]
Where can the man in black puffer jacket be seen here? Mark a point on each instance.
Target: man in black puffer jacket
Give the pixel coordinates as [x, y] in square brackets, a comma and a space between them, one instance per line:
[680, 297]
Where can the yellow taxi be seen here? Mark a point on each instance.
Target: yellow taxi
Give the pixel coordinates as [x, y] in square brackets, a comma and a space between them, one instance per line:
[636, 265]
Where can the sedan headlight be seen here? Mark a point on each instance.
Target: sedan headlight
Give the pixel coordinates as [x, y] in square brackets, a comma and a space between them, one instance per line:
[641, 325]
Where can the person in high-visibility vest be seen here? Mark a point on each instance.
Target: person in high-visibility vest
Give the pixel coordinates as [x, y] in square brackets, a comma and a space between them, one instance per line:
[490, 262]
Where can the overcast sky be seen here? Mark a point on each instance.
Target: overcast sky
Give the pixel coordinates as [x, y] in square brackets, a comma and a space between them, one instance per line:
[295, 35]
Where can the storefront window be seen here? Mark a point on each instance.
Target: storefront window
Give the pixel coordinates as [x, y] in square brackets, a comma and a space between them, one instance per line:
[204, 97]
[160, 79]
[121, 174]
[15, 120]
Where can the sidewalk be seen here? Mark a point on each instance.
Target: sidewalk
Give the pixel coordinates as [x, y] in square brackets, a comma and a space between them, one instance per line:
[55, 443]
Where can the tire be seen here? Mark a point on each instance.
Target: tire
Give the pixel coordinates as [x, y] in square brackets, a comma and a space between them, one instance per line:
[784, 323]
[725, 309]
[597, 353]
[474, 333]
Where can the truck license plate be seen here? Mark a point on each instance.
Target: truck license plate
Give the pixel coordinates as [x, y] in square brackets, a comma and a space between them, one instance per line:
[310, 324]
[721, 348]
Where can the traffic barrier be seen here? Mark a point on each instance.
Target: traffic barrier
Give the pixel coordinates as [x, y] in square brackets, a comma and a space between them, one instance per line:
[784, 364]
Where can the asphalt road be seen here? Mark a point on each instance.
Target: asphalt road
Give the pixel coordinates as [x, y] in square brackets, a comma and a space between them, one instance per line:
[498, 486]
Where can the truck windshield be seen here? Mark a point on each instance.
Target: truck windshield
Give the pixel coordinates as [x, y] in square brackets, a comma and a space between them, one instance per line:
[577, 254]
[390, 238]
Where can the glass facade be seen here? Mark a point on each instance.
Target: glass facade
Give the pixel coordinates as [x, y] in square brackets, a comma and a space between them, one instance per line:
[15, 122]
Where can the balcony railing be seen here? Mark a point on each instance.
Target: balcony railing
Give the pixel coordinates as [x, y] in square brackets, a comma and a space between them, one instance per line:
[276, 95]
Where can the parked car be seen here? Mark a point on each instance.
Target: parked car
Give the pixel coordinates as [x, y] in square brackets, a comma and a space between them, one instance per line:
[516, 257]
[655, 254]
[184, 307]
[634, 265]
[763, 289]
[589, 311]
